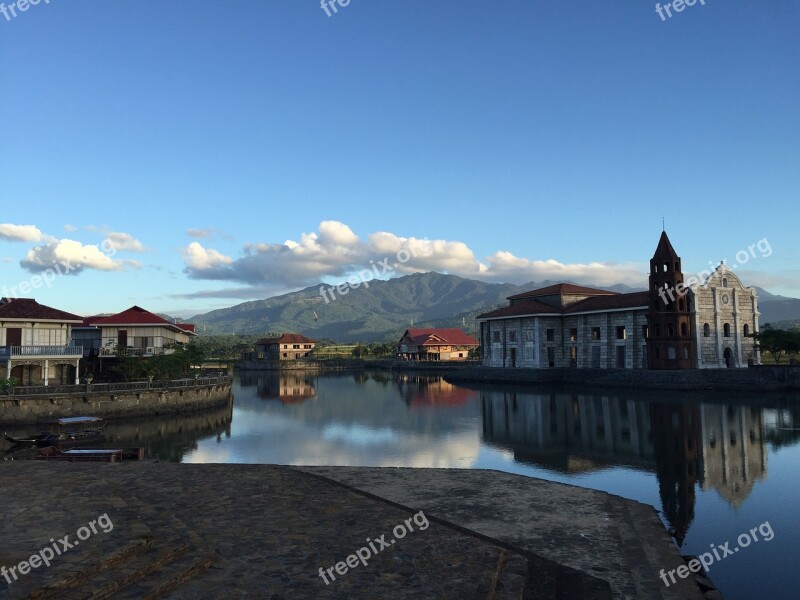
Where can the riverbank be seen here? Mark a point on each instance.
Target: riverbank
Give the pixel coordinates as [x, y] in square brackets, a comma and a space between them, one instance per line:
[40, 405]
[266, 531]
[754, 379]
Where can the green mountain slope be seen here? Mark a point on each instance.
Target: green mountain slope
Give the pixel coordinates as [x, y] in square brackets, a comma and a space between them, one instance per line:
[381, 311]
[384, 309]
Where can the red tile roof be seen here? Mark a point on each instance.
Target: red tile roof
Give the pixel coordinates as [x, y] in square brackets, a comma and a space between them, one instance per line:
[286, 338]
[136, 315]
[611, 301]
[562, 288]
[529, 307]
[28, 308]
[617, 301]
[446, 337]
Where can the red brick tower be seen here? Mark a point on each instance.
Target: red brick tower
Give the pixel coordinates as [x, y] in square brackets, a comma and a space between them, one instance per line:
[670, 340]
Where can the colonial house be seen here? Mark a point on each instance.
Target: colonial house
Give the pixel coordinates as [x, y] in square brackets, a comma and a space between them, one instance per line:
[674, 325]
[436, 344]
[35, 344]
[134, 332]
[289, 346]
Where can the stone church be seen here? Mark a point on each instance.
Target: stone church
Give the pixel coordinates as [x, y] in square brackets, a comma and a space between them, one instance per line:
[704, 322]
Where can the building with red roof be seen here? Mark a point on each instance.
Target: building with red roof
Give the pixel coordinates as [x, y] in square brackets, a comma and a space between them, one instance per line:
[35, 346]
[444, 344]
[289, 346]
[137, 331]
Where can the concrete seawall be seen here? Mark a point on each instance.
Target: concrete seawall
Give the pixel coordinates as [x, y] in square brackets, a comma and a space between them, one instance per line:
[763, 378]
[23, 409]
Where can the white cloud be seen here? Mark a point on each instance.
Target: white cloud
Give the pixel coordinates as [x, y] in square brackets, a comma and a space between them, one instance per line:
[70, 228]
[335, 251]
[74, 254]
[200, 233]
[20, 233]
[120, 241]
[203, 259]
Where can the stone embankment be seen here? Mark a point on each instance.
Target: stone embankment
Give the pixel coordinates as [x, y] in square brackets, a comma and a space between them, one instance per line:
[39, 405]
[761, 378]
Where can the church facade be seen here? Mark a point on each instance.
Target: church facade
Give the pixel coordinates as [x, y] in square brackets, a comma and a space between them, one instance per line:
[676, 324]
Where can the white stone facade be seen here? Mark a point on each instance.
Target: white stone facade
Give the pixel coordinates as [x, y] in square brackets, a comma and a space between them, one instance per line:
[725, 316]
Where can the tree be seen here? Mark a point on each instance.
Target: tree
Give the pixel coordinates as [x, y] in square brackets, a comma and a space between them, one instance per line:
[7, 385]
[777, 341]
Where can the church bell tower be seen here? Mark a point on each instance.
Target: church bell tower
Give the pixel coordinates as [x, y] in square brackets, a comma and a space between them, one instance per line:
[670, 339]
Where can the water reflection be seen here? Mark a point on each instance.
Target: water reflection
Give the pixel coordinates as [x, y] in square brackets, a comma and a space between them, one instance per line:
[701, 459]
[169, 438]
[715, 446]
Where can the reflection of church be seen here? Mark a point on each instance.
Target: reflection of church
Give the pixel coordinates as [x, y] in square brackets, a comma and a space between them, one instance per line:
[734, 453]
[716, 446]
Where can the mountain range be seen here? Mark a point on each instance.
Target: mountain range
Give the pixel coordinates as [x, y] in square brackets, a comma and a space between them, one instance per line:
[383, 310]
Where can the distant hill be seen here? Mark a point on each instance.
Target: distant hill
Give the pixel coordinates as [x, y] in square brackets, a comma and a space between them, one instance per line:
[379, 312]
[779, 311]
[385, 309]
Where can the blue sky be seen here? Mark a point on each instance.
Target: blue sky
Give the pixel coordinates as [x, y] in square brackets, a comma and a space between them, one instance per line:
[173, 149]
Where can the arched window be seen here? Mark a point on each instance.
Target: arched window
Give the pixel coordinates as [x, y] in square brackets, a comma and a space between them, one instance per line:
[746, 329]
[706, 330]
[670, 330]
[686, 352]
[655, 352]
[724, 282]
[684, 329]
[671, 353]
[726, 330]
[658, 331]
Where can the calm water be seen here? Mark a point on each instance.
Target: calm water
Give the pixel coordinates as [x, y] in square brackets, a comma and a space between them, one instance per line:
[714, 465]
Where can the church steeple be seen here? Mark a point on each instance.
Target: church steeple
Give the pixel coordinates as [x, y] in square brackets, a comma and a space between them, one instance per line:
[670, 342]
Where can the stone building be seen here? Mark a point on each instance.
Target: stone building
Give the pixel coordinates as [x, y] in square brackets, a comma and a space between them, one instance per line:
[679, 323]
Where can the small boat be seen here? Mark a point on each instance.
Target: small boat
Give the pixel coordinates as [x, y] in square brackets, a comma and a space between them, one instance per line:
[91, 454]
[40, 441]
[66, 432]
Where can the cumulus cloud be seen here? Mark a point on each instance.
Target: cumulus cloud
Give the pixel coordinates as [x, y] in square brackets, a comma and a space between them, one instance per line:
[74, 254]
[20, 233]
[119, 241]
[334, 250]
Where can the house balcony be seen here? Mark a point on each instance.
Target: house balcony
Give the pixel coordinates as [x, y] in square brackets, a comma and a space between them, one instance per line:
[145, 351]
[21, 352]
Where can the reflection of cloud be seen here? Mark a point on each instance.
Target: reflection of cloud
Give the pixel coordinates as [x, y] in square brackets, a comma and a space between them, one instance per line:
[358, 435]
[220, 454]
[270, 433]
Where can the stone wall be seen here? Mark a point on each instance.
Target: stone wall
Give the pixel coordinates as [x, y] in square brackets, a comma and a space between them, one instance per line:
[762, 378]
[40, 409]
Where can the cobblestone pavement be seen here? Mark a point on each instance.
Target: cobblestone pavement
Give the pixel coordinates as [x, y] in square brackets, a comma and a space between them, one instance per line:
[257, 531]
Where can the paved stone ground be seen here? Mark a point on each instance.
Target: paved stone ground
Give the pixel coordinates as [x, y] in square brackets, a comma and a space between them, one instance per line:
[613, 538]
[263, 531]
